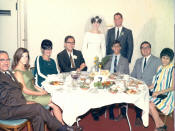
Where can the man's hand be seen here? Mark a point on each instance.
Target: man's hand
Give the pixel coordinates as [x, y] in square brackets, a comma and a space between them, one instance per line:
[82, 66]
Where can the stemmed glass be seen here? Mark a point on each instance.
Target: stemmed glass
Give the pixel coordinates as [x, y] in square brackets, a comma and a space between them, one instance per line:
[75, 76]
[64, 76]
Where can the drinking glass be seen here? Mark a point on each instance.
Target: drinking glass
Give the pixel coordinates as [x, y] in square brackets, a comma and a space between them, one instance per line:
[74, 76]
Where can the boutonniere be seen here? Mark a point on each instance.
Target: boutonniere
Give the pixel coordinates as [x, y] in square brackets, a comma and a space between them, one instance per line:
[122, 33]
[74, 57]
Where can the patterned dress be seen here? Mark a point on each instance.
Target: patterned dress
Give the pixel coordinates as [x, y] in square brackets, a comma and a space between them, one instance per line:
[163, 80]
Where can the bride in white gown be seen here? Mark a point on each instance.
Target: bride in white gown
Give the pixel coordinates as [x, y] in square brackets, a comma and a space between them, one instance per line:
[94, 41]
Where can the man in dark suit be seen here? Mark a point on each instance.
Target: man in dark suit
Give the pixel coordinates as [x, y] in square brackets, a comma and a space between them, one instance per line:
[70, 59]
[121, 34]
[13, 105]
[144, 69]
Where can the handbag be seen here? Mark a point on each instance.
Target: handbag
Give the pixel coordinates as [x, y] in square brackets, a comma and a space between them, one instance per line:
[161, 96]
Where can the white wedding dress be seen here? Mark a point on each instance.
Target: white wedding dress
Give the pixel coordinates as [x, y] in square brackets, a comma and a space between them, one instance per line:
[93, 45]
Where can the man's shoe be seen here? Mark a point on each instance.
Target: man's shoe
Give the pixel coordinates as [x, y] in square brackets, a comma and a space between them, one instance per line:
[111, 116]
[70, 128]
[78, 128]
[138, 122]
[120, 117]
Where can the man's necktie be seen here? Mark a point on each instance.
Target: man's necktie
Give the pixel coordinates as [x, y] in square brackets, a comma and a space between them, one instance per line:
[117, 34]
[72, 62]
[115, 64]
[144, 64]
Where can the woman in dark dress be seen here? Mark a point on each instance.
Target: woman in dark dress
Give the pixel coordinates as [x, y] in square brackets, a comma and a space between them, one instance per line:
[44, 65]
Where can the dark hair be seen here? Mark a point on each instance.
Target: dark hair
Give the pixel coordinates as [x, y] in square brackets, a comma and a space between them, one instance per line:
[96, 19]
[118, 14]
[17, 56]
[145, 42]
[68, 37]
[116, 42]
[46, 44]
[3, 52]
[167, 52]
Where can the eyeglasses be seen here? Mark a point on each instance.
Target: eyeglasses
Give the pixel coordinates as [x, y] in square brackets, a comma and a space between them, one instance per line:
[73, 43]
[3, 60]
[145, 48]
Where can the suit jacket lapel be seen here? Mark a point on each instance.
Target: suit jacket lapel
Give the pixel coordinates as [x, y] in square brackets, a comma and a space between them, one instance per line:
[149, 60]
[75, 60]
[9, 80]
[121, 33]
[110, 61]
[67, 58]
[113, 34]
[119, 63]
[140, 65]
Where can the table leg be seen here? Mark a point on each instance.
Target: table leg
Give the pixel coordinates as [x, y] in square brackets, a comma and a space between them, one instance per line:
[130, 128]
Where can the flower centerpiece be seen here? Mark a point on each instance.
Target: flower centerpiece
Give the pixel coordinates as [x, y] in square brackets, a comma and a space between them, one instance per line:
[97, 64]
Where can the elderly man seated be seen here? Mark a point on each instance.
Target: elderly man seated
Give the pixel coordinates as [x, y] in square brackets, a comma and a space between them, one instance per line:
[13, 105]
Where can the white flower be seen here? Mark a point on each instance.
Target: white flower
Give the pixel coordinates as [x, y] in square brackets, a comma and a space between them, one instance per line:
[74, 57]
[122, 33]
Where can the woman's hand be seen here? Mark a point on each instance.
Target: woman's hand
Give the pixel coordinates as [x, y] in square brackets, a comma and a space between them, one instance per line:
[155, 94]
[43, 92]
[30, 102]
[151, 87]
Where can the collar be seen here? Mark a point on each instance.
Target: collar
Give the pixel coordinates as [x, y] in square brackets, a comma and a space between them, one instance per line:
[120, 28]
[116, 55]
[70, 53]
[5, 72]
[147, 57]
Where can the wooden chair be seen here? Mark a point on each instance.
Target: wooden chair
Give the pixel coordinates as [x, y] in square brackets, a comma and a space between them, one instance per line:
[15, 125]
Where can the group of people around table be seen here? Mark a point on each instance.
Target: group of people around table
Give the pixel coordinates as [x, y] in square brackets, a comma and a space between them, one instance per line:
[22, 97]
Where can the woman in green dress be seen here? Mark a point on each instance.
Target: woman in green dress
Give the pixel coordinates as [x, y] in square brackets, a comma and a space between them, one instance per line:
[31, 92]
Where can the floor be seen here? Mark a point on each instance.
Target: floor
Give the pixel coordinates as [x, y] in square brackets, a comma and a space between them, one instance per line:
[104, 124]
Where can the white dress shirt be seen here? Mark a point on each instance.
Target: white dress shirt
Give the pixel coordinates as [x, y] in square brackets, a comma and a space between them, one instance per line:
[147, 58]
[71, 53]
[112, 63]
[120, 30]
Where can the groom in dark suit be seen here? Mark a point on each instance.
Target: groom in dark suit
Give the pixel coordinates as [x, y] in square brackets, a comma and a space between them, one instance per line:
[121, 34]
[14, 106]
[70, 59]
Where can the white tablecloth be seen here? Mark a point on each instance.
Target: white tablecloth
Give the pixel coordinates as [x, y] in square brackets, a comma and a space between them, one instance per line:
[77, 102]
